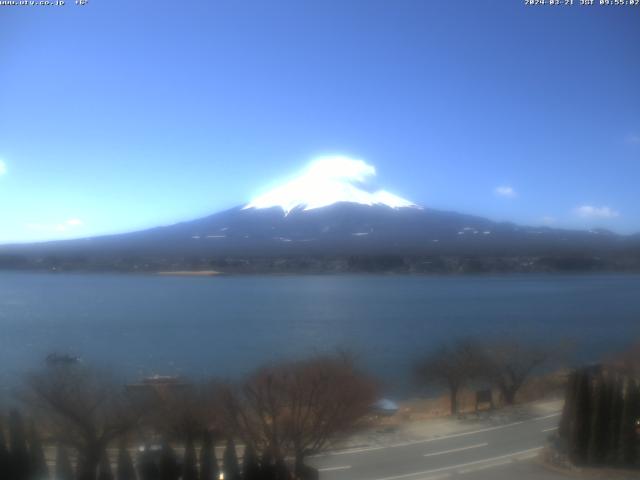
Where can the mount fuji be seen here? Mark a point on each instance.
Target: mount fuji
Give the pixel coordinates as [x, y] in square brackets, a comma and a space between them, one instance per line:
[327, 181]
[330, 218]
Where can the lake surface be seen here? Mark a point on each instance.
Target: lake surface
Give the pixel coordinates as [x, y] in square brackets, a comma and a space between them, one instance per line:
[226, 326]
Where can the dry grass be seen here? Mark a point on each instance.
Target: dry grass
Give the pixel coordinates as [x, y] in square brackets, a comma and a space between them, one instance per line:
[421, 408]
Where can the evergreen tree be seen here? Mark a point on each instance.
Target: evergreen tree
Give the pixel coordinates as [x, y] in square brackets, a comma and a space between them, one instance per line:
[250, 464]
[579, 438]
[267, 465]
[169, 468]
[5, 460]
[104, 467]
[628, 437]
[281, 469]
[80, 468]
[634, 458]
[189, 467]
[230, 466]
[609, 393]
[18, 445]
[38, 463]
[615, 421]
[84, 471]
[147, 468]
[63, 470]
[599, 426]
[568, 411]
[125, 470]
[208, 461]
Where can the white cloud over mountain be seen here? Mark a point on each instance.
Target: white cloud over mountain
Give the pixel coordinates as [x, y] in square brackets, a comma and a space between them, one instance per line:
[65, 226]
[589, 211]
[328, 180]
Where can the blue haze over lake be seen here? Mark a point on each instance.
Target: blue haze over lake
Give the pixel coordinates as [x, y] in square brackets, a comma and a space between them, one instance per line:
[226, 326]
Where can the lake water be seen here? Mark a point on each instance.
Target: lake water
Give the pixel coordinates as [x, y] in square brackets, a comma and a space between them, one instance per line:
[226, 326]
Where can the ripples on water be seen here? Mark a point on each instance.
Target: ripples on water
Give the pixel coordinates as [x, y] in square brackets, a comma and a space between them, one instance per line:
[225, 326]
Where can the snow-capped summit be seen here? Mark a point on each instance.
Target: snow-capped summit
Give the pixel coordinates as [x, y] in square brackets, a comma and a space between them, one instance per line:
[326, 181]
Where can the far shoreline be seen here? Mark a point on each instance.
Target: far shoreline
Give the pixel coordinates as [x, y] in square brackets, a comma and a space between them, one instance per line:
[190, 273]
[284, 273]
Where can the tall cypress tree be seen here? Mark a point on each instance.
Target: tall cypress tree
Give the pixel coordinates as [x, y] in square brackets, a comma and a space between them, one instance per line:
[147, 468]
[208, 462]
[169, 468]
[628, 436]
[63, 470]
[609, 394]
[634, 458]
[267, 465]
[599, 426]
[189, 466]
[250, 464]
[579, 438]
[615, 421]
[230, 466]
[38, 467]
[79, 468]
[281, 469]
[568, 411]
[104, 467]
[5, 460]
[125, 470]
[18, 446]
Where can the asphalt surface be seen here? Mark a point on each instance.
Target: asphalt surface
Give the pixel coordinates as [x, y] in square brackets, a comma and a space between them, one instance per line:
[506, 451]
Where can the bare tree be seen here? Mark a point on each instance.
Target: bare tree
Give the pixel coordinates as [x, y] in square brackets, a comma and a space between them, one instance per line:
[509, 363]
[450, 366]
[327, 396]
[299, 408]
[83, 409]
[187, 413]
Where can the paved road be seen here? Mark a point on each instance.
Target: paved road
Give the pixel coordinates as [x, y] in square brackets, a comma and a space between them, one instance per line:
[498, 452]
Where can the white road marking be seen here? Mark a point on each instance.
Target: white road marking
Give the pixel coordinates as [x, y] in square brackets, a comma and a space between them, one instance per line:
[551, 415]
[444, 452]
[434, 439]
[331, 469]
[426, 440]
[521, 453]
[525, 456]
[549, 429]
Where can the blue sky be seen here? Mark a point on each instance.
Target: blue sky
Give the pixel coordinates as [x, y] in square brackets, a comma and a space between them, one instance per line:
[121, 115]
